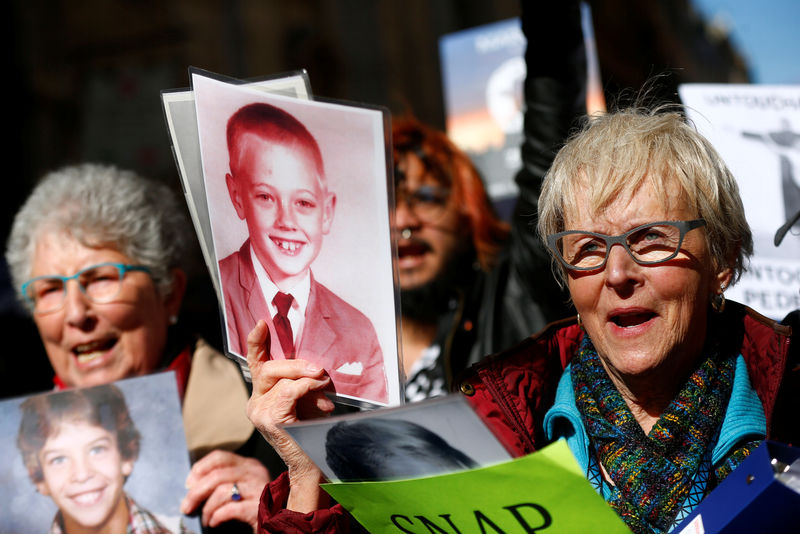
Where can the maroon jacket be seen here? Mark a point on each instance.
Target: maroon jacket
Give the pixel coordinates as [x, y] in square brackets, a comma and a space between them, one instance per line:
[513, 389]
[336, 334]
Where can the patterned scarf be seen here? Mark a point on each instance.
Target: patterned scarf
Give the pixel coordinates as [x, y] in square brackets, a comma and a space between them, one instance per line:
[654, 475]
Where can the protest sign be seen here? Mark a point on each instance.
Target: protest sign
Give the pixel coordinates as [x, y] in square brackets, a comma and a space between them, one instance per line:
[291, 185]
[544, 491]
[756, 130]
[434, 436]
[483, 71]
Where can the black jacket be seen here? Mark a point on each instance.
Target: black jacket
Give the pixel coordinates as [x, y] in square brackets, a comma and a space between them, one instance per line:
[520, 295]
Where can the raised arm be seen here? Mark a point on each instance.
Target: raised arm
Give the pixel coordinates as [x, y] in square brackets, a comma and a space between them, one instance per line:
[284, 391]
[527, 295]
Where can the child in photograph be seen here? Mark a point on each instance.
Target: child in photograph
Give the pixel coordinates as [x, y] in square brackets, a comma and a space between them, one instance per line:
[79, 447]
[277, 185]
[390, 449]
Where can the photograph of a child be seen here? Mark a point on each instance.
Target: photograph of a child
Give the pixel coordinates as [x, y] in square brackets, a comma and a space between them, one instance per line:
[281, 187]
[181, 119]
[378, 449]
[432, 437]
[79, 448]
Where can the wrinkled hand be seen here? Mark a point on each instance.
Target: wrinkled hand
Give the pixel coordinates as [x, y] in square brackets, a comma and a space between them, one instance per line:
[211, 480]
[285, 391]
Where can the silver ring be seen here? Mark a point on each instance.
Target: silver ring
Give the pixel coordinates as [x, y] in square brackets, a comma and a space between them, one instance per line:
[235, 495]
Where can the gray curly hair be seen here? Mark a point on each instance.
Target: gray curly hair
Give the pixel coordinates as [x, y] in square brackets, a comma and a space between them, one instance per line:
[102, 205]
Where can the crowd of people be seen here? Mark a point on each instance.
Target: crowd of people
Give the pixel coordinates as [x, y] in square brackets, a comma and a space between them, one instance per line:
[630, 353]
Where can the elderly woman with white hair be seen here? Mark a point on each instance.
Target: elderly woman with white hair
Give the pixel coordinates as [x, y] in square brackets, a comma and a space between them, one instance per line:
[659, 386]
[96, 255]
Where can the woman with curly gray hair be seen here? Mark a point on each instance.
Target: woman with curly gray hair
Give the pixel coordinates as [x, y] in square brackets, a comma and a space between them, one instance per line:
[121, 238]
[96, 256]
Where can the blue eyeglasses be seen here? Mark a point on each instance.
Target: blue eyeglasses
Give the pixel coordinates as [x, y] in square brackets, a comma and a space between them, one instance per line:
[100, 283]
[648, 244]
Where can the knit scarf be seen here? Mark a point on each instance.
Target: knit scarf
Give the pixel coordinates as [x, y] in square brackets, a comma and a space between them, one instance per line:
[654, 474]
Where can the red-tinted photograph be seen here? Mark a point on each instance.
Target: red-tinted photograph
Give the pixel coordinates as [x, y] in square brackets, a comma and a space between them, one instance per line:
[298, 205]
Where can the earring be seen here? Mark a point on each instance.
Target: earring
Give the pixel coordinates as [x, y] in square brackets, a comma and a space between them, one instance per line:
[718, 302]
[580, 323]
[405, 233]
[173, 319]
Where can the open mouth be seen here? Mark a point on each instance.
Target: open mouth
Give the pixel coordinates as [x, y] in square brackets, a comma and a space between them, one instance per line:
[413, 248]
[292, 248]
[87, 498]
[88, 352]
[629, 320]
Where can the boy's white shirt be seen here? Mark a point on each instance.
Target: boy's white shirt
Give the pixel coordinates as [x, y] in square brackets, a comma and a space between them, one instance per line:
[300, 293]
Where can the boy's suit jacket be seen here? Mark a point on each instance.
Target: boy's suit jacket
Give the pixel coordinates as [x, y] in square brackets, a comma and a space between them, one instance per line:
[335, 336]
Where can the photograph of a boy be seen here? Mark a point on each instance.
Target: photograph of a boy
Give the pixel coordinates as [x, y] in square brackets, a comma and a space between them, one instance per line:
[79, 447]
[278, 187]
[438, 436]
[390, 449]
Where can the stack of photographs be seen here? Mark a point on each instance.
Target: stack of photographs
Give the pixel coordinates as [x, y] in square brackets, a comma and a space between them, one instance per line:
[291, 198]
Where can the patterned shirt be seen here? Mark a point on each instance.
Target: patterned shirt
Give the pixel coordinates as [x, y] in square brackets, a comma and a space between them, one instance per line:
[426, 378]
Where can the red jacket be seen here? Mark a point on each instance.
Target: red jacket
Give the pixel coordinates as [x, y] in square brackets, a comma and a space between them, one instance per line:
[513, 389]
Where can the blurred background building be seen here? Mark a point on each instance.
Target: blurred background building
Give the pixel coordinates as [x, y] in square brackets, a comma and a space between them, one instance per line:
[85, 75]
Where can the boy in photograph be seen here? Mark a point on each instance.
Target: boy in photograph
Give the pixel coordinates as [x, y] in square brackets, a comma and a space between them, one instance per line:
[277, 185]
[79, 447]
[390, 449]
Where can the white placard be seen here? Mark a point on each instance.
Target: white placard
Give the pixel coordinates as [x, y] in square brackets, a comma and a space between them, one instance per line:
[756, 129]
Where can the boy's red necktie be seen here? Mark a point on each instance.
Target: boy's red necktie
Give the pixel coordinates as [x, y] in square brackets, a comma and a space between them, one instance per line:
[283, 302]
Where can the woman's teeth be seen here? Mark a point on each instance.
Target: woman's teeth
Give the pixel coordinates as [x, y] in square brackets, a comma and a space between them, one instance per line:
[91, 351]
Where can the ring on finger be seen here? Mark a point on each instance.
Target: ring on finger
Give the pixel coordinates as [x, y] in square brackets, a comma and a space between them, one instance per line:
[235, 494]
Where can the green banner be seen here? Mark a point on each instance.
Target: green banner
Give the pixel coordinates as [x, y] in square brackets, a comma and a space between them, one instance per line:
[542, 492]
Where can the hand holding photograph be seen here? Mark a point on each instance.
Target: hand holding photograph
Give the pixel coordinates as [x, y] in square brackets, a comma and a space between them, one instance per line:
[291, 186]
[434, 466]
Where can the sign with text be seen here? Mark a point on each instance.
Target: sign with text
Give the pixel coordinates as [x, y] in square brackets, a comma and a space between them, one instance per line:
[544, 491]
[483, 72]
[756, 130]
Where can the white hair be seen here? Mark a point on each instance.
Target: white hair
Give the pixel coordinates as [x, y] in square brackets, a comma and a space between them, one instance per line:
[101, 205]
